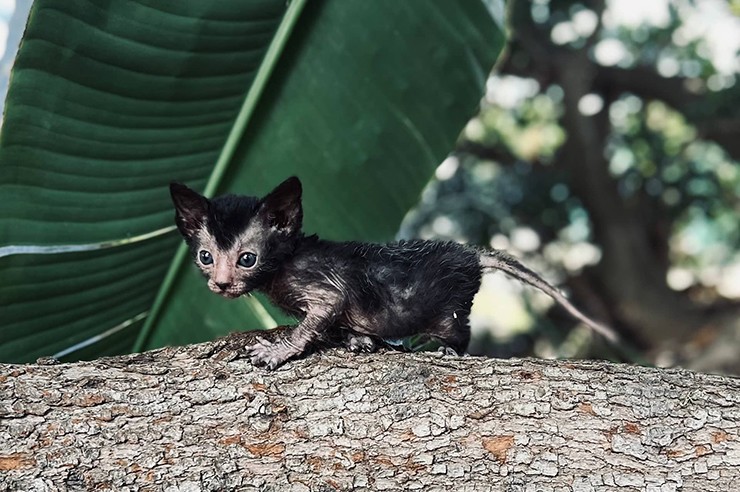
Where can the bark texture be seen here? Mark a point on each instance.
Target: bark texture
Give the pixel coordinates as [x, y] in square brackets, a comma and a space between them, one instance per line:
[202, 418]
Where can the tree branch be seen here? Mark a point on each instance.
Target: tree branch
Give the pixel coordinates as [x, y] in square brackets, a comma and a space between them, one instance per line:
[720, 126]
[648, 84]
[201, 418]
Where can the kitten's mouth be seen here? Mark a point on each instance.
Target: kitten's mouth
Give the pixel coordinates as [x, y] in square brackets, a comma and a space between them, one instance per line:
[230, 295]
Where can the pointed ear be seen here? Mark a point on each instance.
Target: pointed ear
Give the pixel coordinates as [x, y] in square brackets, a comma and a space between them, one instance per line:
[190, 207]
[282, 206]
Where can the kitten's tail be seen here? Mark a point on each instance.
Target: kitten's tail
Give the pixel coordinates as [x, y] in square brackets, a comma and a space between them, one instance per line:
[500, 260]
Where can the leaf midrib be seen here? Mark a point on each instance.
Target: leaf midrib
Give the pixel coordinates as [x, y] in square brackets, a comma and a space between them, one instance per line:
[251, 100]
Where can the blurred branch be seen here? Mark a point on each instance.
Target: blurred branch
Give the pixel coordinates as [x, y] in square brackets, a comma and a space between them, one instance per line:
[495, 152]
[676, 92]
[533, 55]
[647, 83]
[598, 7]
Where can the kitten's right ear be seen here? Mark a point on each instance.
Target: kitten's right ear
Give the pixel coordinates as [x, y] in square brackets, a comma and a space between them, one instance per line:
[190, 207]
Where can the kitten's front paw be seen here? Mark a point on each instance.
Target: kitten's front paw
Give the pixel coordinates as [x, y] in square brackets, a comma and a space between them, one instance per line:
[268, 354]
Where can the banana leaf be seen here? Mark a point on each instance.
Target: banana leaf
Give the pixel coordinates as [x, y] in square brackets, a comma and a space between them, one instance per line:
[109, 101]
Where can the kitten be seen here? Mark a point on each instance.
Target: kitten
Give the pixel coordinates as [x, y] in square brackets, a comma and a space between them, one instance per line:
[370, 291]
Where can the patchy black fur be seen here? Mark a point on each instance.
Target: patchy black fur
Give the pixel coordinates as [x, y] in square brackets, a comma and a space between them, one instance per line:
[370, 291]
[385, 291]
[229, 214]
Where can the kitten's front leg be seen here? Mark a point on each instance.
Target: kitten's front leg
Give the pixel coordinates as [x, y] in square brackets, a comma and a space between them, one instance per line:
[269, 354]
[274, 354]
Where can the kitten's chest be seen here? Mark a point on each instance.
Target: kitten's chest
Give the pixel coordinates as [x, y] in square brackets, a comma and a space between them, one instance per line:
[287, 292]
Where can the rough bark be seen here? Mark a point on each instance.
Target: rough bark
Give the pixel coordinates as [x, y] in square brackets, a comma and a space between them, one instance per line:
[202, 418]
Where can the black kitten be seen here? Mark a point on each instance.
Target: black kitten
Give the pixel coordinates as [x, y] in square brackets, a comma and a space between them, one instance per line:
[370, 291]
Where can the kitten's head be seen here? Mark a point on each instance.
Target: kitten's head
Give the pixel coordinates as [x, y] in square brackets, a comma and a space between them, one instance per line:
[239, 242]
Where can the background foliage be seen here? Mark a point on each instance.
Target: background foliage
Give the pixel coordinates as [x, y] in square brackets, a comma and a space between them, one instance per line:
[606, 155]
[110, 101]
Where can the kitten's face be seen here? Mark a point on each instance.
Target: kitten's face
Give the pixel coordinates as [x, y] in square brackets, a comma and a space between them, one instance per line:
[232, 269]
[238, 242]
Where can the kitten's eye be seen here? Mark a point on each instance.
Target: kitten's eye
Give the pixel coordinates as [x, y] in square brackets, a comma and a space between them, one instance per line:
[247, 260]
[205, 257]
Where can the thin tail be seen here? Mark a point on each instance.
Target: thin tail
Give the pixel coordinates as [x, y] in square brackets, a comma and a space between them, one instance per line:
[500, 260]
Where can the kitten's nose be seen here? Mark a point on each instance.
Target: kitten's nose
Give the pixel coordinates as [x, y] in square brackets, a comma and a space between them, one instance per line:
[223, 285]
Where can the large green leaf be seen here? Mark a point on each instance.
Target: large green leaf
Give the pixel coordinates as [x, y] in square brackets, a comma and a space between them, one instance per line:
[110, 100]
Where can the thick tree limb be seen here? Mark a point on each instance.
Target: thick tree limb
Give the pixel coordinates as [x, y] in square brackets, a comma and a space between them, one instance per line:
[200, 418]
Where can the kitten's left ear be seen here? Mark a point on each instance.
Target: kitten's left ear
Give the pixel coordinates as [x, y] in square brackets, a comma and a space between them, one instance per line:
[191, 209]
[282, 206]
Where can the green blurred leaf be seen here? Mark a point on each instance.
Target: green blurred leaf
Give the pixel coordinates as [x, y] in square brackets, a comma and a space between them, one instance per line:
[109, 101]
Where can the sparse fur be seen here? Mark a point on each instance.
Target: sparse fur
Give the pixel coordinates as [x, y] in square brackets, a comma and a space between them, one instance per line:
[368, 291]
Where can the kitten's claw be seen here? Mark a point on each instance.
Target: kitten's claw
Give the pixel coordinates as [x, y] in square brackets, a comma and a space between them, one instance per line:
[359, 343]
[268, 354]
[444, 350]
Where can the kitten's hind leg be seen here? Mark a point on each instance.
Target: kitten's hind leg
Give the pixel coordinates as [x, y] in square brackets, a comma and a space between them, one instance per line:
[454, 333]
[359, 343]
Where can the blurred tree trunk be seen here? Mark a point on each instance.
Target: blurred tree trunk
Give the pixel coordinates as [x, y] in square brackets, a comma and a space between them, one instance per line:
[198, 418]
[632, 274]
